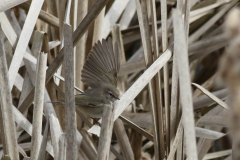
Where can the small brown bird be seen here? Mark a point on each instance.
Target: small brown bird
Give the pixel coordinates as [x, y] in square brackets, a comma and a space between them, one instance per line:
[100, 73]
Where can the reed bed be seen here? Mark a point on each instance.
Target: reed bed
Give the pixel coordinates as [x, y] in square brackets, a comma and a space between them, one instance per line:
[178, 81]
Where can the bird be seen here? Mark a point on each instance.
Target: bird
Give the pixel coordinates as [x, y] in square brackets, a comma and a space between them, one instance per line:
[100, 72]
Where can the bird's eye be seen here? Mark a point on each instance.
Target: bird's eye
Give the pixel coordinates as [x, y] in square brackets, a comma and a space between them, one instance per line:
[111, 94]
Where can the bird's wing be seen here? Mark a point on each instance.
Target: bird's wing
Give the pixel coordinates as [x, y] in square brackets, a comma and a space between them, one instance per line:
[86, 100]
[102, 65]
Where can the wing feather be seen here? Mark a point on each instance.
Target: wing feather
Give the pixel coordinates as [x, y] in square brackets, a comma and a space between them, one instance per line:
[102, 65]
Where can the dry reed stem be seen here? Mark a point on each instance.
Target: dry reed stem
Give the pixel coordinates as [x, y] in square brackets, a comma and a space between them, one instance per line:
[88, 146]
[85, 145]
[42, 152]
[53, 10]
[27, 87]
[127, 15]
[106, 132]
[81, 45]
[176, 141]
[24, 39]
[112, 16]
[208, 24]
[165, 73]
[117, 38]
[208, 134]
[77, 35]
[180, 149]
[207, 8]
[174, 107]
[30, 68]
[118, 125]
[7, 4]
[6, 157]
[212, 96]
[27, 126]
[56, 133]
[185, 84]
[67, 12]
[146, 42]
[98, 26]
[8, 128]
[38, 105]
[115, 152]
[62, 147]
[132, 67]
[44, 16]
[208, 84]
[213, 120]
[54, 44]
[205, 144]
[217, 154]
[92, 14]
[123, 140]
[137, 128]
[71, 139]
[158, 81]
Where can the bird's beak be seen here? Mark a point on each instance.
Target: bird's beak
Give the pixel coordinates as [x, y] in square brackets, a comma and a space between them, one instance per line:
[118, 98]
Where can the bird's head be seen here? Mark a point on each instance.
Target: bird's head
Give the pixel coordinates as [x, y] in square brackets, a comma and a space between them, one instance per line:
[111, 93]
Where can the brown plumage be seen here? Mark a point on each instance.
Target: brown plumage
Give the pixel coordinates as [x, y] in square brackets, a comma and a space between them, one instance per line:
[100, 73]
[102, 65]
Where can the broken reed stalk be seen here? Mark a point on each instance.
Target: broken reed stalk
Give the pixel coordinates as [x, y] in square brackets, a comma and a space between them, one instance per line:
[27, 126]
[31, 68]
[8, 128]
[71, 128]
[24, 39]
[106, 132]
[38, 105]
[185, 84]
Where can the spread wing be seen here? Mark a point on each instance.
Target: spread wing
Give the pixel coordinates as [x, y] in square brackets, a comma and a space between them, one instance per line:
[102, 65]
